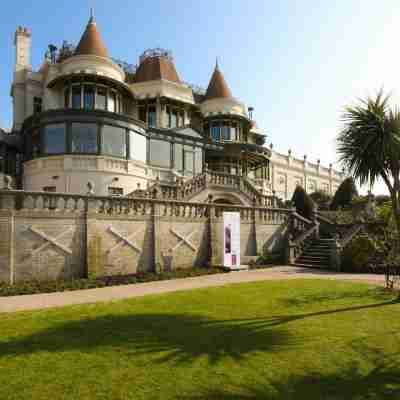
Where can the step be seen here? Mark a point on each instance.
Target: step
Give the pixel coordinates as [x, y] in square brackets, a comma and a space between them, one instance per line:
[314, 253]
[311, 266]
[313, 262]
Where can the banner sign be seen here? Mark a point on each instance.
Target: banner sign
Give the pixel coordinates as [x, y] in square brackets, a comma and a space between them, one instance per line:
[231, 250]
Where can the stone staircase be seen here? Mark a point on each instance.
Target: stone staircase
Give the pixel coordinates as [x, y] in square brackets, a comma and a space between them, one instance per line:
[316, 254]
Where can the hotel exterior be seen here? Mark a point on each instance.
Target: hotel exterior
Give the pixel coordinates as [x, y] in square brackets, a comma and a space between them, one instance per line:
[85, 117]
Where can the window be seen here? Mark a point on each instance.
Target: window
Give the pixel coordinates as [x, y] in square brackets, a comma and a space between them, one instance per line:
[84, 138]
[101, 97]
[112, 102]
[54, 138]
[142, 114]
[172, 117]
[234, 135]
[50, 189]
[76, 96]
[151, 116]
[198, 161]
[137, 146]
[160, 153]
[35, 143]
[178, 155]
[113, 141]
[115, 191]
[181, 121]
[226, 133]
[88, 102]
[188, 160]
[37, 105]
[66, 97]
[215, 132]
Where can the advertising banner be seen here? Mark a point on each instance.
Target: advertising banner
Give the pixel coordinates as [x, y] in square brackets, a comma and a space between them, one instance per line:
[231, 250]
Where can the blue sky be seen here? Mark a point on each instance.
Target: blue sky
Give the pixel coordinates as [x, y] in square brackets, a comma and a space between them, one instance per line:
[296, 62]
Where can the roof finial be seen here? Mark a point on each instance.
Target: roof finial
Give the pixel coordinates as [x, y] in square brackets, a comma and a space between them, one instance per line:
[91, 20]
[216, 63]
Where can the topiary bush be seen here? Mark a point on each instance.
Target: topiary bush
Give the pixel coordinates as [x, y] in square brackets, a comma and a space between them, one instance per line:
[303, 203]
[322, 199]
[344, 195]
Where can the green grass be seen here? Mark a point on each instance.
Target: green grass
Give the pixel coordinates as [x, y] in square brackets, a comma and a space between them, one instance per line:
[297, 339]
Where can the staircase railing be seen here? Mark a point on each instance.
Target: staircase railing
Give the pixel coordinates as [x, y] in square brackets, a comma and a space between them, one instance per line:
[184, 190]
[300, 231]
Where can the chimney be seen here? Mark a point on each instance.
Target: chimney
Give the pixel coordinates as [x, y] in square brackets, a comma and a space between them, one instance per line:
[22, 43]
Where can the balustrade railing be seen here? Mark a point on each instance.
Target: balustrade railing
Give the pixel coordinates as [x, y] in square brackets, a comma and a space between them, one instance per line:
[74, 203]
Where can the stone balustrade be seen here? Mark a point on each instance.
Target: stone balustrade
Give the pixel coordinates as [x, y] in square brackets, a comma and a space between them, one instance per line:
[166, 206]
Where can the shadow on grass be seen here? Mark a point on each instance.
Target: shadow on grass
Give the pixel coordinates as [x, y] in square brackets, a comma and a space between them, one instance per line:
[179, 338]
[170, 337]
[306, 299]
[375, 377]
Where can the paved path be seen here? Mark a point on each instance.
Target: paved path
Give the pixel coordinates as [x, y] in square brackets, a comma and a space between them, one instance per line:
[48, 300]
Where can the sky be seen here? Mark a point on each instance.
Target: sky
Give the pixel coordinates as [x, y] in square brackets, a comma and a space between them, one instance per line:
[297, 62]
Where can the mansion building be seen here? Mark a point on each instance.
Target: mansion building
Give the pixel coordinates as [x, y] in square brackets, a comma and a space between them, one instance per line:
[86, 117]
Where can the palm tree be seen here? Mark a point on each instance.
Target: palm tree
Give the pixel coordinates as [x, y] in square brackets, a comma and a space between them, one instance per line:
[369, 146]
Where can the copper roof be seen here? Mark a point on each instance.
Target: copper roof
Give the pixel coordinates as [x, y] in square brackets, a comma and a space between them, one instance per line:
[91, 42]
[217, 88]
[156, 68]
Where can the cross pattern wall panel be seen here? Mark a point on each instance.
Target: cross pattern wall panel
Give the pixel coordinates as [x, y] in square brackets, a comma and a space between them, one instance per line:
[125, 245]
[48, 249]
[183, 244]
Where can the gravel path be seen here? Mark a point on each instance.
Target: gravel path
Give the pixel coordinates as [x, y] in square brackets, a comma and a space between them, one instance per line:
[48, 300]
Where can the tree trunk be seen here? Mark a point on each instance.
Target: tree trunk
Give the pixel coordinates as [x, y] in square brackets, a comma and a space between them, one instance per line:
[396, 214]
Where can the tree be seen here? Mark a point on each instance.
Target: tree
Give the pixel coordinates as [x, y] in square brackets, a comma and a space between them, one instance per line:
[321, 198]
[369, 146]
[303, 203]
[345, 194]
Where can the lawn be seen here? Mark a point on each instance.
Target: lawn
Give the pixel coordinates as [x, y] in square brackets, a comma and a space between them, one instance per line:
[299, 339]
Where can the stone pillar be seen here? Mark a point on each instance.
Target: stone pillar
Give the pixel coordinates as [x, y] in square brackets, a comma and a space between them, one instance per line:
[290, 250]
[335, 254]
[156, 237]
[216, 237]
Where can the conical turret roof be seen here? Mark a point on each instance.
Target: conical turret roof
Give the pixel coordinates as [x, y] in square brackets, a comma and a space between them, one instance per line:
[91, 42]
[217, 88]
[156, 67]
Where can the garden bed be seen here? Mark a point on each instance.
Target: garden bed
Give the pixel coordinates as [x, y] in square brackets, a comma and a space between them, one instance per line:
[33, 287]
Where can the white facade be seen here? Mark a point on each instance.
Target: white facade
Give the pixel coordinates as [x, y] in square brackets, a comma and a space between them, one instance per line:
[71, 172]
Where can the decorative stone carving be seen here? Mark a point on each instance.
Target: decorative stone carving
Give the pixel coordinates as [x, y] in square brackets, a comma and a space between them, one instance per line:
[90, 186]
[123, 240]
[183, 240]
[50, 241]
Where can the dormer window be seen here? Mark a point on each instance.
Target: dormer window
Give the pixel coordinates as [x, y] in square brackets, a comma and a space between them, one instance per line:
[223, 130]
[94, 97]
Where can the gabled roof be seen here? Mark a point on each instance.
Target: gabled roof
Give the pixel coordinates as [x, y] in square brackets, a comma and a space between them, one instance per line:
[217, 88]
[91, 42]
[156, 68]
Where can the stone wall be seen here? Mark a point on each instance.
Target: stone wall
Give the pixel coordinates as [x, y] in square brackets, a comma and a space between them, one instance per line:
[49, 236]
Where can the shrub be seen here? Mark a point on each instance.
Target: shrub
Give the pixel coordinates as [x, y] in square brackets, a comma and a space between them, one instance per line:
[344, 195]
[358, 253]
[303, 203]
[33, 287]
